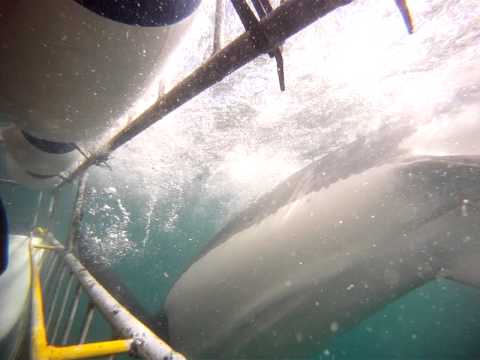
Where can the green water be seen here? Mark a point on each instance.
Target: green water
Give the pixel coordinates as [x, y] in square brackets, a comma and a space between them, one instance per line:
[441, 320]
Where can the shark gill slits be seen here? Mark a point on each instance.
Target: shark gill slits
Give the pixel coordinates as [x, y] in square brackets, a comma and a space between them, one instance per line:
[48, 146]
[39, 176]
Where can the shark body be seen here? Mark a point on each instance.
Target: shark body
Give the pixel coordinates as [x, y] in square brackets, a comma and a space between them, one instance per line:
[330, 246]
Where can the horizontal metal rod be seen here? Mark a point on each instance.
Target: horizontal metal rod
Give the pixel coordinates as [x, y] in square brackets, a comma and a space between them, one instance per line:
[8, 181]
[89, 351]
[283, 22]
[145, 342]
[46, 247]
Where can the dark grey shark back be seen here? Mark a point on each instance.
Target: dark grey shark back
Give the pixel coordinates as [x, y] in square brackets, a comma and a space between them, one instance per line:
[247, 292]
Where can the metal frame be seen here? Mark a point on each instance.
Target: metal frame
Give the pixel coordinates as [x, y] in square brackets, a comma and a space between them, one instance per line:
[42, 350]
[77, 211]
[264, 36]
[217, 31]
[284, 21]
[139, 339]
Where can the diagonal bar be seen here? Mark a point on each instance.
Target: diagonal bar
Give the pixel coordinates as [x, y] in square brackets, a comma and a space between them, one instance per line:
[283, 22]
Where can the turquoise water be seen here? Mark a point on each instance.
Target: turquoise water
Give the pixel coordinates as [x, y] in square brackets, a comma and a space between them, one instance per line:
[168, 195]
[440, 320]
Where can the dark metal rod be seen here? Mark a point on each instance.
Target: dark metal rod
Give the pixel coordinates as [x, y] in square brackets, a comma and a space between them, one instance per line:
[283, 22]
[406, 15]
[73, 312]
[217, 32]
[266, 5]
[59, 318]
[281, 76]
[247, 17]
[77, 211]
[261, 11]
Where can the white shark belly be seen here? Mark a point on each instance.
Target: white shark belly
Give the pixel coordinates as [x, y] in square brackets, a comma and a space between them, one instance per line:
[325, 259]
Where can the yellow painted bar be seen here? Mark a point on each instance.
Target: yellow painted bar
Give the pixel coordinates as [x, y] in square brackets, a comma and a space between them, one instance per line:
[47, 247]
[39, 335]
[40, 348]
[87, 351]
[40, 231]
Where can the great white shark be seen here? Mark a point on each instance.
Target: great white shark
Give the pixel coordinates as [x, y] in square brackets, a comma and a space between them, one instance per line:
[326, 249]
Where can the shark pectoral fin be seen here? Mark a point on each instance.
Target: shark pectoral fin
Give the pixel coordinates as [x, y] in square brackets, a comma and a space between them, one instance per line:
[465, 269]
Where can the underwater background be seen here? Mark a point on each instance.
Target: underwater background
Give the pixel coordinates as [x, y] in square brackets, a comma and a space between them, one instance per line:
[440, 320]
[355, 74]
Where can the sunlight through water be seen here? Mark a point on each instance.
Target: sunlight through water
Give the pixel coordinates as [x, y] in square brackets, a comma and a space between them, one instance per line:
[352, 75]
